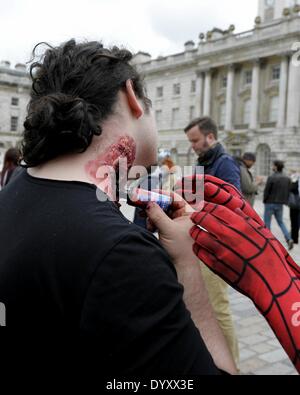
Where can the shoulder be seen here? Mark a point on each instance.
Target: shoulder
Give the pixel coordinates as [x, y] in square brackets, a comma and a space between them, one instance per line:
[227, 163]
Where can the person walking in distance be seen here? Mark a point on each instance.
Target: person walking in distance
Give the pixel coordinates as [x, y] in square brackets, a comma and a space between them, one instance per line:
[276, 195]
[249, 186]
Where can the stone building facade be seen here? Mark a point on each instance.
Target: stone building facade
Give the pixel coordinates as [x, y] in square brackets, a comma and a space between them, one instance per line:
[14, 96]
[248, 82]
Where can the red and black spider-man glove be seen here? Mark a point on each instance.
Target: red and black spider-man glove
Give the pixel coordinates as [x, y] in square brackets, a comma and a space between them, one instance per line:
[248, 257]
[221, 193]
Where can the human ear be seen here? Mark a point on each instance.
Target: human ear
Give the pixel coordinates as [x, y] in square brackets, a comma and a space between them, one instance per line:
[133, 102]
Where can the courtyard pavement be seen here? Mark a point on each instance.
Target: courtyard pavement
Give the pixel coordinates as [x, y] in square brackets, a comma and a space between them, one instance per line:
[260, 351]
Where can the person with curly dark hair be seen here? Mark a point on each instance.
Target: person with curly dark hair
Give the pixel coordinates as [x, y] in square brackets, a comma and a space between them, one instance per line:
[76, 265]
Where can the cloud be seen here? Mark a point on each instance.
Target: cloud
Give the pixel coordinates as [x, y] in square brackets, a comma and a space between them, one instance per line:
[180, 21]
[155, 26]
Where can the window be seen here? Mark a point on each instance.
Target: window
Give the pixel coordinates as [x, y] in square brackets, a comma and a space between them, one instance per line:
[247, 112]
[275, 73]
[222, 115]
[224, 81]
[263, 162]
[14, 101]
[14, 124]
[176, 89]
[192, 113]
[274, 104]
[175, 117]
[248, 77]
[159, 92]
[193, 86]
[158, 117]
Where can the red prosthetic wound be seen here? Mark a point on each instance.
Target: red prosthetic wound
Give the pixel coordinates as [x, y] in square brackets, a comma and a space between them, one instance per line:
[125, 147]
[103, 169]
[249, 258]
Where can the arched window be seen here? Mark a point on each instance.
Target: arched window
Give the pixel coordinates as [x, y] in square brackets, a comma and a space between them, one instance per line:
[263, 162]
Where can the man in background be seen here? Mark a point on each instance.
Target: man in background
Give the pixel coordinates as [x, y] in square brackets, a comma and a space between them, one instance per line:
[249, 186]
[203, 136]
[276, 195]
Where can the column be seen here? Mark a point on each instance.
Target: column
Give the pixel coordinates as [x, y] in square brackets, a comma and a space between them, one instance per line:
[293, 101]
[207, 93]
[255, 95]
[229, 98]
[283, 92]
[199, 92]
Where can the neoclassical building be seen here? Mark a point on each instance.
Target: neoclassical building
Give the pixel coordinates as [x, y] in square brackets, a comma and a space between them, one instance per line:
[14, 96]
[248, 82]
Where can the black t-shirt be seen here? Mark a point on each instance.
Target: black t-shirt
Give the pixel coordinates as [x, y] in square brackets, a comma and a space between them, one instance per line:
[71, 264]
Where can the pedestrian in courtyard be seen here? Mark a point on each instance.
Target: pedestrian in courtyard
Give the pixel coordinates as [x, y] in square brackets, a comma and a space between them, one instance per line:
[249, 186]
[294, 205]
[10, 164]
[276, 195]
[203, 136]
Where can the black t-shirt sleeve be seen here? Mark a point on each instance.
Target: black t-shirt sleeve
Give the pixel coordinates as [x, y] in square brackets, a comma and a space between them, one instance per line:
[135, 313]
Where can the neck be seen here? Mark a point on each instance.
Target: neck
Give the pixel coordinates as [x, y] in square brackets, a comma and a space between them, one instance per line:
[98, 165]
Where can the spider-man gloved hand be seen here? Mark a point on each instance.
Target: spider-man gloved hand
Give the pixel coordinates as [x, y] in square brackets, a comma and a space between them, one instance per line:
[249, 258]
[224, 194]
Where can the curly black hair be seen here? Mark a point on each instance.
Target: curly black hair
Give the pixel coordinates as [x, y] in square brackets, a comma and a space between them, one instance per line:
[74, 89]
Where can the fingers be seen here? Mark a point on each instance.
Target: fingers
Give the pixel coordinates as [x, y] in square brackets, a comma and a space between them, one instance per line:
[188, 195]
[150, 226]
[215, 194]
[230, 229]
[212, 254]
[289, 260]
[158, 218]
[218, 192]
[179, 205]
[254, 219]
[232, 190]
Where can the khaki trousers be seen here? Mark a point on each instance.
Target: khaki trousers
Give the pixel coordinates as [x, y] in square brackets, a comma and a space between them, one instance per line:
[218, 295]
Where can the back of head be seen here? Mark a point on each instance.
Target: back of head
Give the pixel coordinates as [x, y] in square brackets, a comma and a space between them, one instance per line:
[168, 162]
[11, 161]
[12, 157]
[279, 165]
[74, 89]
[249, 156]
[205, 124]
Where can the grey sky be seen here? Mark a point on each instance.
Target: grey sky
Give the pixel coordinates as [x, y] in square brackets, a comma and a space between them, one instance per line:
[159, 27]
